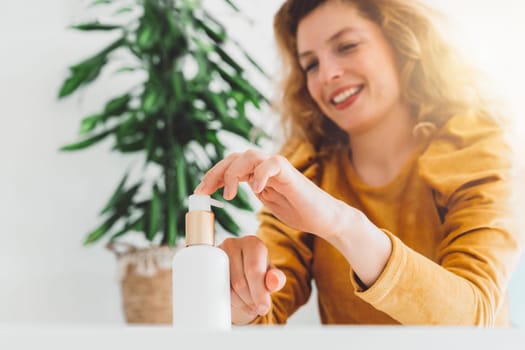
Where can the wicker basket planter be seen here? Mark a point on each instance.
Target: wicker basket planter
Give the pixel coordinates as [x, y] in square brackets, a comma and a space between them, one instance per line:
[145, 278]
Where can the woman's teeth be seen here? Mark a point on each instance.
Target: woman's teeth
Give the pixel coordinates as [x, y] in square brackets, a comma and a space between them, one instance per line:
[343, 96]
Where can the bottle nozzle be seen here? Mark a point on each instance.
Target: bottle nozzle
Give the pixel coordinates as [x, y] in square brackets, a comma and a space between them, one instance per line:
[200, 219]
[203, 202]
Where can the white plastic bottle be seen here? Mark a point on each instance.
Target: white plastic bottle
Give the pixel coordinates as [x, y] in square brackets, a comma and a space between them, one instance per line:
[201, 273]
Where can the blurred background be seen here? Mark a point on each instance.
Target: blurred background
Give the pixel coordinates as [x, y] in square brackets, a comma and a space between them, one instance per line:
[50, 200]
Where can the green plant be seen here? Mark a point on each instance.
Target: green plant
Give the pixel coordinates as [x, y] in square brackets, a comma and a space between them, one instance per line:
[172, 118]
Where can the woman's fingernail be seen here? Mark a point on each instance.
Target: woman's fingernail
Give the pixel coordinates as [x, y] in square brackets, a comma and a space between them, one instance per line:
[199, 187]
[262, 309]
[255, 186]
[273, 282]
[226, 193]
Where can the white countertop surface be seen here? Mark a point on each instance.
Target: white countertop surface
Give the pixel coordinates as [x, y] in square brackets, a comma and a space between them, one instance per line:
[261, 337]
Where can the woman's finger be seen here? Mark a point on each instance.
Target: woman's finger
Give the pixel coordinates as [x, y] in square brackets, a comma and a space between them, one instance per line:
[275, 279]
[239, 304]
[255, 266]
[214, 178]
[241, 169]
[270, 168]
[238, 281]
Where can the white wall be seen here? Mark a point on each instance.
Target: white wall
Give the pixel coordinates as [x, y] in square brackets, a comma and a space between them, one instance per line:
[49, 200]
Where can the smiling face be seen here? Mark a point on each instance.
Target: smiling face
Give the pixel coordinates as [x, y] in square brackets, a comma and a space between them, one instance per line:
[349, 67]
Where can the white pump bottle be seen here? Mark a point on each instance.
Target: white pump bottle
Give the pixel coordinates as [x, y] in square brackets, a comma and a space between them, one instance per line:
[201, 273]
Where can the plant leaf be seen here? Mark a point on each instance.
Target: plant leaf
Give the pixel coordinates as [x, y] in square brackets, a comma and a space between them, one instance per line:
[87, 70]
[151, 146]
[154, 214]
[101, 2]
[87, 142]
[180, 172]
[173, 25]
[90, 122]
[151, 101]
[127, 69]
[227, 58]
[219, 148]
[241, 200]
[237, 82]
[100, 231]
[226, 221]
[117, 105]
[71, 84]
[96, 25]
[203, 116]
[116, 194]
[177, 80]
[250, 59]
[130, 147]
[136, 225]
[203, 75]
[124, 10]
[123, 201]
[217, 104]
[100, 56]
[239, 126]
[254, 63]
[232, 5]
[172, 217]
[148, 33]
[218, 36]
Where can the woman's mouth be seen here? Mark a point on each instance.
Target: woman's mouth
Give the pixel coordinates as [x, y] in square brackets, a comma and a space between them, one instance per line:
[345, 97]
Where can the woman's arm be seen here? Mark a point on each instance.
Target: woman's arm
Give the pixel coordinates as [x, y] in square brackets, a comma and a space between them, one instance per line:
[302, 205]
[468, 168]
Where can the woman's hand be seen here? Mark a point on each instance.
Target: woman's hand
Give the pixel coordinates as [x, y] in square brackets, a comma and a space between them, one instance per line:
[287, 193]
[252, 278]
[300, 204]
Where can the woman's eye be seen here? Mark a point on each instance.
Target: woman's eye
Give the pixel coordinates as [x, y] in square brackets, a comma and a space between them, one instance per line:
[310, 66]
[347, 47]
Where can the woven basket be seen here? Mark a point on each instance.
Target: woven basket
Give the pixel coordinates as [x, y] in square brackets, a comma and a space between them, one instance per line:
[145, 277]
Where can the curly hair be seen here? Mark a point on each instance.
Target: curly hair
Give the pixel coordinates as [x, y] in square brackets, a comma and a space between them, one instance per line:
[436, 81]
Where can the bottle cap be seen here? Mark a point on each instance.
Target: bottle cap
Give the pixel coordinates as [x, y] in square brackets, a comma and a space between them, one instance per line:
[200, 219]
[202, 202]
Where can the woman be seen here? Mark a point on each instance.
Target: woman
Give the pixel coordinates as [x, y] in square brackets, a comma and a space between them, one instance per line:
[392, 190]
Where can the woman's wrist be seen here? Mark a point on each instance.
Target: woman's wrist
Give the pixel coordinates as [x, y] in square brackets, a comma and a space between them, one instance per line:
[364, 245]
[345, 221]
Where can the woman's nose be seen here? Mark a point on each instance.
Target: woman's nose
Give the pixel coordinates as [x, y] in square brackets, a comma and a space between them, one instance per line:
[330, 71]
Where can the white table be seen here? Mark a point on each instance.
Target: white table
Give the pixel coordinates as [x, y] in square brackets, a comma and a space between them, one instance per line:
[261, 337]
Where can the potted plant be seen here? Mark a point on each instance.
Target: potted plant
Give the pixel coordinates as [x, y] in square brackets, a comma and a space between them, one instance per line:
[192, 90]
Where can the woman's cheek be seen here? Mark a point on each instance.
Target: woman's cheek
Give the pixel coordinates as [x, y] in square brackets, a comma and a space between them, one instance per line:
[315, 93]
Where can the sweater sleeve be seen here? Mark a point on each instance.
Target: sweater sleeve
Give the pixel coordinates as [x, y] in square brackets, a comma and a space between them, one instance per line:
[290, 250]
[467, 166]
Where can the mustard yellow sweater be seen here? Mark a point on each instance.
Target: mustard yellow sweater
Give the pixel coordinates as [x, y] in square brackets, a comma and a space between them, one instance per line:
[448, 218]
